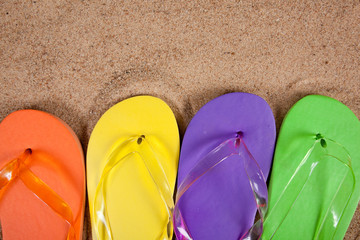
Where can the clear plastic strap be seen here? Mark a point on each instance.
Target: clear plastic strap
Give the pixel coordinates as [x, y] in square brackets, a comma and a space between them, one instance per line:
[17, 168]
[234, 146]
[126, 150]
[330, 149]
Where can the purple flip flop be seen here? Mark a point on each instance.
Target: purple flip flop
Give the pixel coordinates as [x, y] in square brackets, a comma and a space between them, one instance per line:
[224, 162]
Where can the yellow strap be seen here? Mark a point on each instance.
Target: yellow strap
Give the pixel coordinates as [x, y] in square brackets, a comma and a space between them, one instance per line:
[132, 146]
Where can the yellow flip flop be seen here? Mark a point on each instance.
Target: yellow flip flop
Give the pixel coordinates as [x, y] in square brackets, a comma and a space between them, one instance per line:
[132, 161]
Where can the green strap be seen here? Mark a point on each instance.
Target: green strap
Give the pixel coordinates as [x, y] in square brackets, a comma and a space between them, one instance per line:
[322, 149]
[341, 198]
[127, 149]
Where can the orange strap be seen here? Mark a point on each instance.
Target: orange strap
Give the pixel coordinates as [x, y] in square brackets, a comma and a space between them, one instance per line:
[17, 168]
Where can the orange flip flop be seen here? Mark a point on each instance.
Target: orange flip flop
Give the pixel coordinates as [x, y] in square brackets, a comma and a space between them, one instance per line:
[42, 178]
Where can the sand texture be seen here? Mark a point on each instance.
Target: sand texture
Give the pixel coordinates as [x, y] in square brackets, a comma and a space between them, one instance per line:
[75, 59]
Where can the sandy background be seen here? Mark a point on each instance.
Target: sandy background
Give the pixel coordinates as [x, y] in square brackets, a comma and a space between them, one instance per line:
[75, 59]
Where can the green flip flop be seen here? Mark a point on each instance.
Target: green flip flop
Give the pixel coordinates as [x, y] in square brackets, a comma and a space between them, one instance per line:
[314, 184]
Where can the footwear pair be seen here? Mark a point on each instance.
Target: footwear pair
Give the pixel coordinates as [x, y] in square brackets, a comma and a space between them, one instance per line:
[132, 163]
[42, 174]
[225, 159]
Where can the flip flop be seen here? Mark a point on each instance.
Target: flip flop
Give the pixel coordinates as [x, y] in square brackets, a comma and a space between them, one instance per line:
[222, 180]
[314, 185]
[131, 169]
[42, 178]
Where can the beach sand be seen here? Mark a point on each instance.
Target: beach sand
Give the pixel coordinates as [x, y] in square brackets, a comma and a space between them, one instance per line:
[75, 59]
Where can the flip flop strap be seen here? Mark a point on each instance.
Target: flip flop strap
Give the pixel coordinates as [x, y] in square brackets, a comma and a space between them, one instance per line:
[18, 168]
[301, 176]
[120, 153]
[232, 147]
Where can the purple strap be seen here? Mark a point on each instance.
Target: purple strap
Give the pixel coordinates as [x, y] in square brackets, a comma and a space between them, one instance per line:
[232, 147]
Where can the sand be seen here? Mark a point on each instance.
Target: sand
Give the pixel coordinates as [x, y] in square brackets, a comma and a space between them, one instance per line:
[75, 59]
